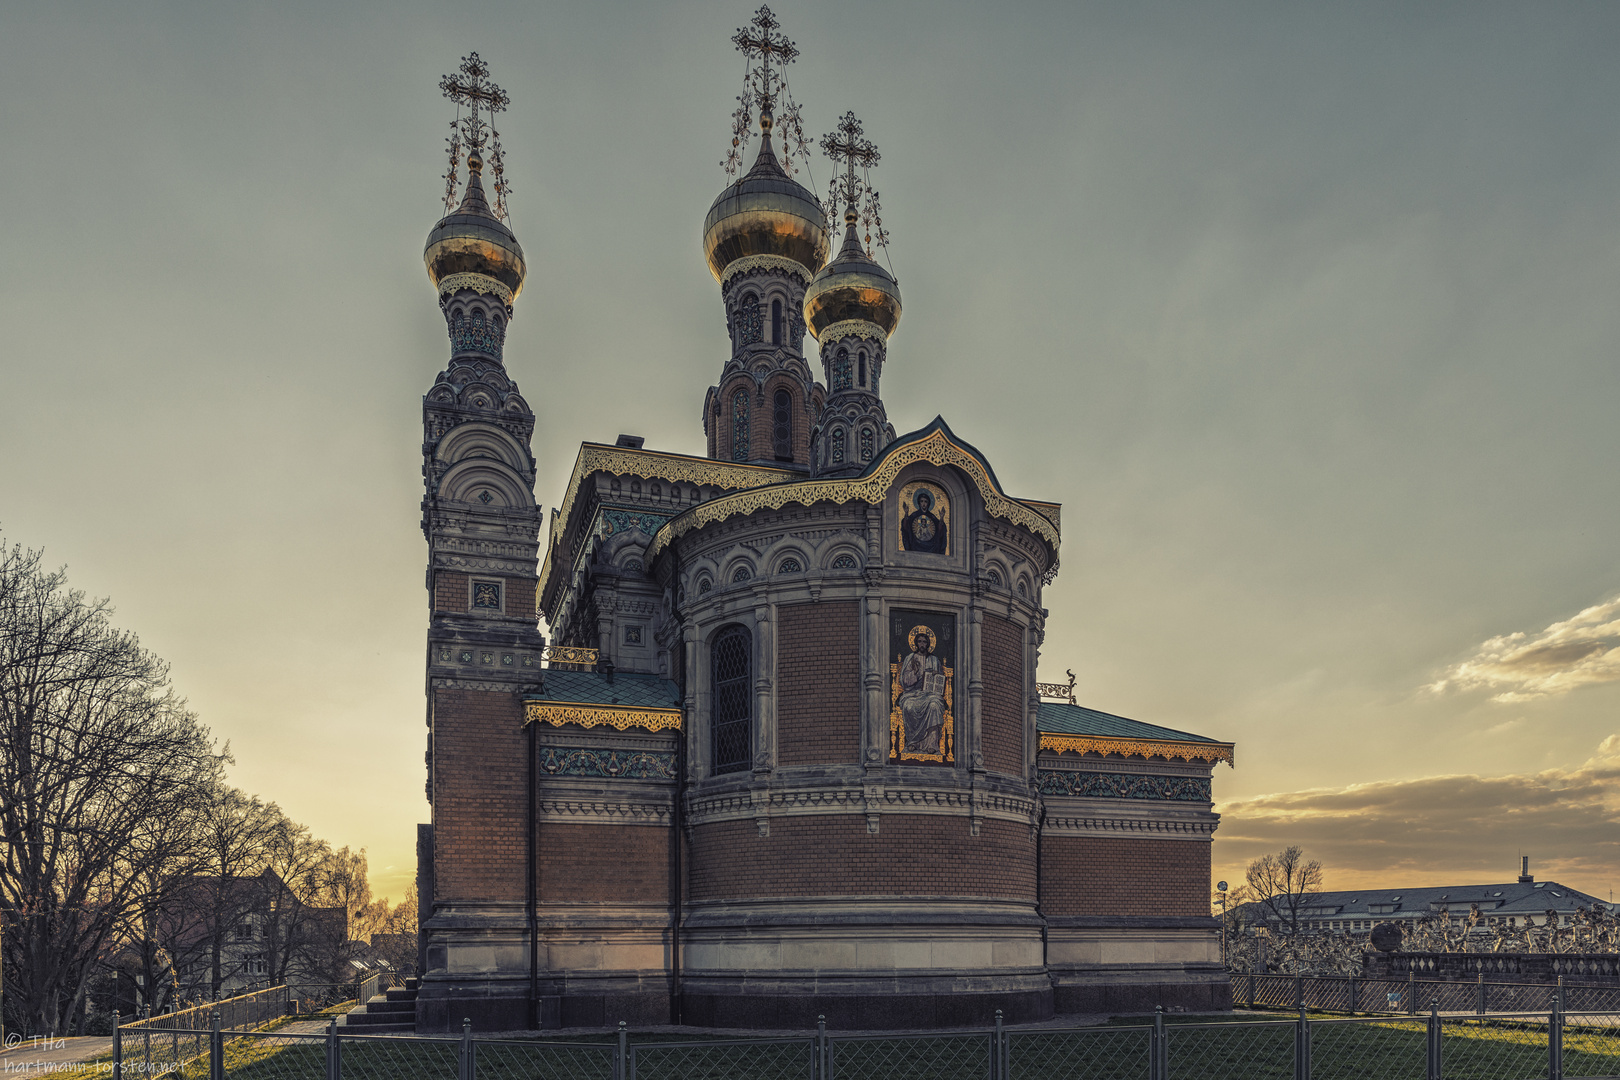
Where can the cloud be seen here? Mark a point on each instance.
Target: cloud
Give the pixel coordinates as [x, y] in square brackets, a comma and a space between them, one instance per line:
[1444, 829]
[1576, 652]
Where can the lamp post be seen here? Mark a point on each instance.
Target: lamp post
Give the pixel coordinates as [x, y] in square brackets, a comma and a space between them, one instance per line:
[1220, 887]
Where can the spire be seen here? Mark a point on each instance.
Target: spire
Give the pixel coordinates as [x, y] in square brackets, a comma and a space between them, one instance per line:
[473, 91]
[766, 89]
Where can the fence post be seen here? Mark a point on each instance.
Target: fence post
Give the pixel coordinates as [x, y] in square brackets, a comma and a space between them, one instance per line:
[821, 1070]
[118, 1046]
[1299, 991]
[333, 1049]
[1302, 1047]
[464, 1064]
[995, 1049]
[621, 1053]
[216, 1048]
[1251, 989]
[1411, 993]
[1355, 995]
[1156, 1069]
[1555, 1042]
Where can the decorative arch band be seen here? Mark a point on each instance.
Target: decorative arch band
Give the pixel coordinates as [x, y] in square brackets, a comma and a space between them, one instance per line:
[451, 284]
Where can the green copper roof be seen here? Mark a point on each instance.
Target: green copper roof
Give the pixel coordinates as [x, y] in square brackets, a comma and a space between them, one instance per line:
[592, 688]
[1061, 718]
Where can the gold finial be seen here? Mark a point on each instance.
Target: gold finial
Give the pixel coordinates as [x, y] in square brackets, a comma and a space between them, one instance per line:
[474, 90]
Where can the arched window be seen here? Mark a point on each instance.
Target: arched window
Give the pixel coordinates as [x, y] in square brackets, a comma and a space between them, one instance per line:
[739, 426]
[776, 322]
[841, 371]
[838, 446]
[994, 577]
[866, 444]
[731, 726]
[845, 562]
[790, 565]
[782, 425]
[740, 575]
[862, 357]
[748, 323]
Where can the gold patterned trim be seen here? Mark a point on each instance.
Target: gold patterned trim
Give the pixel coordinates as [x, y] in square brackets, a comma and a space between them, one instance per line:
[648, 465]
[478, 283]
[935, 449]
[569, 654]
[1163, 748]
[558, 713]
[764, 262]
[860, 328]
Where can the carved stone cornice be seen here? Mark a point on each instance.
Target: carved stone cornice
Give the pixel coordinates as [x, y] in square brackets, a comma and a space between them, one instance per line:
[873, 799]
[1160, 825]
[771, 263]
[848, 328]
[604, 812]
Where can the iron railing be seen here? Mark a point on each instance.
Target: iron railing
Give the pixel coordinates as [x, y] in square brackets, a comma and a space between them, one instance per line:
[1408, 996]
[1431, 1046]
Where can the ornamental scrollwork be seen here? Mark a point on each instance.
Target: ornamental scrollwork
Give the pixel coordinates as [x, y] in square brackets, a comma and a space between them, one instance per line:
[1148, 748]
[859, 328]
[1123, 786]
[775, 263]
[482, 284]
[559, 713]
[935, 449]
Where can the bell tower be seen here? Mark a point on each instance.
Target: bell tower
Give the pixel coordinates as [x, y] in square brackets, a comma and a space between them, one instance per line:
[764, 237]
[482, 526]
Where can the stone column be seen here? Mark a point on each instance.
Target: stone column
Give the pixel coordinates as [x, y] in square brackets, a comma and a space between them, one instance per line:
[695, 723]
[764, 683]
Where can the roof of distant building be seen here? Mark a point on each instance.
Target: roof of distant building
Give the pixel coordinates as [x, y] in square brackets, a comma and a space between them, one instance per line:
[1512, 898]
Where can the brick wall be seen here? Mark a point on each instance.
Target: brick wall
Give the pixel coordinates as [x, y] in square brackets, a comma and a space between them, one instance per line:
[518, 596]
[628, 864]
[449, 591]
[1002, 707]
[1083, 875]
[818, 684]
[480, 795]
[834, 855]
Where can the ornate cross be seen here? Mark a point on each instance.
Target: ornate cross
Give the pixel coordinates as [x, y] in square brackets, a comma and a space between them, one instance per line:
[475, 90]
[761, 39]
[849, 147]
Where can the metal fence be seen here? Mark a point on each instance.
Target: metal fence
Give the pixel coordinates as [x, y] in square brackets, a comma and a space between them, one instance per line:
[1411, 995]
[1434, 1046]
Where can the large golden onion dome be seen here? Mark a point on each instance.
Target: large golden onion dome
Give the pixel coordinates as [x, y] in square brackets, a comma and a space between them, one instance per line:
[765, 213]
[852, 286]
[472, 240]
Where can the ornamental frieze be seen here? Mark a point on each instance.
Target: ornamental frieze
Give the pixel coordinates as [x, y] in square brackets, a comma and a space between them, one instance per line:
[1164, 748]
[560, 713]
[612, 764]
[1123, 786]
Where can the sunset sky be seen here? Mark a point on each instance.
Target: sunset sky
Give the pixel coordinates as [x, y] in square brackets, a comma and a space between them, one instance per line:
[1306, 313]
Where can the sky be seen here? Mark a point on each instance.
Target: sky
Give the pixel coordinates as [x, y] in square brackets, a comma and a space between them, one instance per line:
[1304, 312]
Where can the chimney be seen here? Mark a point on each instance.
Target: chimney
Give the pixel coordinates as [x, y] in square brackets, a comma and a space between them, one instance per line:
[1524, 870]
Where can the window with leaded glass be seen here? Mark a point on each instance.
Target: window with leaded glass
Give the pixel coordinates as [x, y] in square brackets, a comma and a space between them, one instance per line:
[838, 446]
[731, 720]
[867, 441]
[739, 426]
[862, 357]
[841, 370]
[782, 426]
[776, 322]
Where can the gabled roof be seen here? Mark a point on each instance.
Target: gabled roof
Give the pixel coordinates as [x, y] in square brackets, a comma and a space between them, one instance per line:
[935, 444]
[1064, 726]
[1513, 898]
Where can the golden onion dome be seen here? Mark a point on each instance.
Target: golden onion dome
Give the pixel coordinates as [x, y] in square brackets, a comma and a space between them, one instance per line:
[765, 213]
[852, 286]
[472, 240]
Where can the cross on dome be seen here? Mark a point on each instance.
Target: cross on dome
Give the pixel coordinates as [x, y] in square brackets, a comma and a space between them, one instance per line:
[848, 146]
[475, 90]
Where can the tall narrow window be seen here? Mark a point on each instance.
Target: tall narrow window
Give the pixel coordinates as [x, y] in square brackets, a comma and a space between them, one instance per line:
[866, 444]
[731, 719]
[838, 446]
[862, 356]
[776, 322]
[782, 426]
[739, 426]
[841, 371]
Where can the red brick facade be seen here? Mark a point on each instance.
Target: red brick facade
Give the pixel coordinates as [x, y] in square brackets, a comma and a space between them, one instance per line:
[604, 864]
[1002, 707]
[449, 591]
[834, 855]
[1083, 875]
[818, 679]
[478, 810]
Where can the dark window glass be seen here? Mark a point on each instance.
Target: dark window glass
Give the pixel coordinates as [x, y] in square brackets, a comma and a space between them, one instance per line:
[862, 357]
[739, 426]
[782, 426]
[731, 725]
[776, 322]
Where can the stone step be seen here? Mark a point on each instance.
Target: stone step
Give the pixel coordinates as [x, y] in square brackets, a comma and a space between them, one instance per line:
[413, 984]
[382, 1006]
[384, 1029]
[401, 994]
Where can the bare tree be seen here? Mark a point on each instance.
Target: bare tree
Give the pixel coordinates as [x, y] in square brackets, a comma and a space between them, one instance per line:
[296, 937]
[95, 749]
[345, 885]
[1283, 884]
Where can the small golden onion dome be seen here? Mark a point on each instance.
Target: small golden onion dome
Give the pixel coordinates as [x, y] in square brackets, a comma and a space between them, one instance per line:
[472, 240]
[765, 213]
[852, 286]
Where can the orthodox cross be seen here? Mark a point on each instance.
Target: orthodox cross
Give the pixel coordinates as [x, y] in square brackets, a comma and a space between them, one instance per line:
[475, 90]
[848, 146]
[761, 39]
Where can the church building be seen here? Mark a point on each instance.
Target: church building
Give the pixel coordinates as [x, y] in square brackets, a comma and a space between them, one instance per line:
[781, 751]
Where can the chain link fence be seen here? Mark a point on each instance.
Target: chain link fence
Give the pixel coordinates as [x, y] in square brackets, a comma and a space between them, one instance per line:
[1555, 1045]
[1412, 996]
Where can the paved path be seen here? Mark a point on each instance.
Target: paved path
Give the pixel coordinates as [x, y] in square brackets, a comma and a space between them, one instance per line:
[28, 1054]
